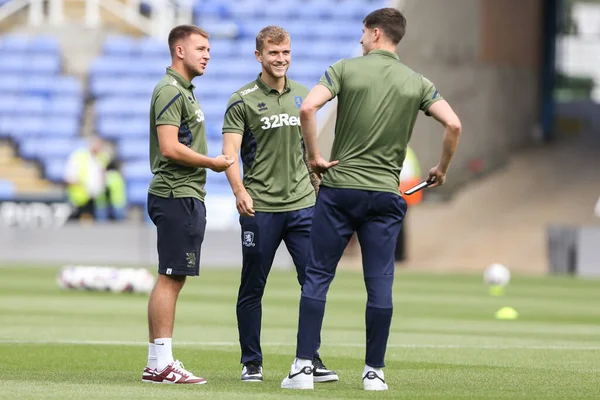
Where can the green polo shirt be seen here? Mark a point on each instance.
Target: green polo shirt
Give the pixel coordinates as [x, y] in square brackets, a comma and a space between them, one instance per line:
[173, 103]
[272, 152]
[379, 99]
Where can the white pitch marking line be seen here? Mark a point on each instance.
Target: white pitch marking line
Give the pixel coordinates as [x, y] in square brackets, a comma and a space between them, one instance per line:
[274, 344]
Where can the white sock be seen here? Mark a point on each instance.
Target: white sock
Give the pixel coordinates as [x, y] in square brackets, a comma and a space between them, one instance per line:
[151, 356]
[164, 353]
[302, 362]
[378, 371]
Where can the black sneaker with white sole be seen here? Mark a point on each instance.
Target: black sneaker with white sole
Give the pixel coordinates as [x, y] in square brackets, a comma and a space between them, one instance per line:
[321, 373]
[252, 372]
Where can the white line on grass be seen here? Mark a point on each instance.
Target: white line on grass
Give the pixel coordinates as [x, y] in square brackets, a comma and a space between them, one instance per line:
[347, 345]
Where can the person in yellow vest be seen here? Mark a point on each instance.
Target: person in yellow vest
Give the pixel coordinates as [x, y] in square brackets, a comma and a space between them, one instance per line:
[409, 177]
[84, 177]
[112, 203]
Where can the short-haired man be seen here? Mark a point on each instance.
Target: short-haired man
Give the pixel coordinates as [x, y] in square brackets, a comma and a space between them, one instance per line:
[378, 102]
[176, 194]
[275, 199]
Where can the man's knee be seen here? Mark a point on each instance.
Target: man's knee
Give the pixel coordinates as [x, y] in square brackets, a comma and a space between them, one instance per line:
[316, 284]
[173, 282]
[379, 292]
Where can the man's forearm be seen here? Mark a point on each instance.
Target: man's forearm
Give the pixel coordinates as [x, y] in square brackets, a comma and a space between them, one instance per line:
[185, 156]
[234, 178]
[450, 142]
[308, 122]
[314, 180]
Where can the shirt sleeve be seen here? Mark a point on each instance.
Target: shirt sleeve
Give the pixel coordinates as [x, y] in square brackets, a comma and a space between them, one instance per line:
[429, 95]
[235, 116]
[168, 106]
[332, 78]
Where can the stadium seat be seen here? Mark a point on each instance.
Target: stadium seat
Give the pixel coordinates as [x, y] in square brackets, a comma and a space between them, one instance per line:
[150, 47]
[15, 43]
[44, 148]
[44, 45]
[119, 45]
[124, 127]
[54, 169]
[137, 193]
[7, 190]
[131, 149]
[123, 106]
[44, 64]
[137, 171]
[65, 106]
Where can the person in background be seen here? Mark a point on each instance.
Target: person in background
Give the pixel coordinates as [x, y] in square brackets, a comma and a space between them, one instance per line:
[84, 177]
[112, 203]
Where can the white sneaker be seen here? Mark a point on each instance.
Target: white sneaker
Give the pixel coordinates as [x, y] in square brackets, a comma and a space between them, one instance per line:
[175, 373]
[372, 381]
[299, 378]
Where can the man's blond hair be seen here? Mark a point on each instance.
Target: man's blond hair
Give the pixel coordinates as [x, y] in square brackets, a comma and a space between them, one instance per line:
[271, 34]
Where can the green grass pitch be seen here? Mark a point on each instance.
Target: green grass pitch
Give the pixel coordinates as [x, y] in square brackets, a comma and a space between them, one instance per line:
[444, 344]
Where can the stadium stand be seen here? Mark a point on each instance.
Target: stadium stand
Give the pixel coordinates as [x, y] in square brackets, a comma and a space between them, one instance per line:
[122, 77]
[40, 111]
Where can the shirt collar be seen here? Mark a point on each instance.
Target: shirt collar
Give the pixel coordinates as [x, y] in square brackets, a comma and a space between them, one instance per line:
[180, 79]
[268, 89]
[384, 53]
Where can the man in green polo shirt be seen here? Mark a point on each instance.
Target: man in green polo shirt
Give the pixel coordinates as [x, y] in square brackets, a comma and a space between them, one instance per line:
[178, 158]
[379, 99]
[275, 199]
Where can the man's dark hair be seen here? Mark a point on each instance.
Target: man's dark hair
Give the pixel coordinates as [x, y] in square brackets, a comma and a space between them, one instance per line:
[390, 20]
[183, 32]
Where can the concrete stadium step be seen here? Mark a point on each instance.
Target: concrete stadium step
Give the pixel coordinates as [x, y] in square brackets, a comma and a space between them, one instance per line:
[22, 171]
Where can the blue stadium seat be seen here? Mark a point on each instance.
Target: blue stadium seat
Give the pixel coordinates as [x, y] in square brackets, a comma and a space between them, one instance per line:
[214, 132]
[10, 83]
[248, 9]
[63, 126]
[137, 171]
[124, 127]
[46, 64]
[123, 106]
[317, 11]
[213, 111]
[67, 85]
[48, 147]
[220, 48]
[28, 105]
[54, 169]
[119, 45]
[8, 104]
[137, 193]
[211, 9]
[66, 106]
[44, 45]
[11, 63]
[131, 149]
[7, 190]
[150, 47]
[30, 127]
[15, 43]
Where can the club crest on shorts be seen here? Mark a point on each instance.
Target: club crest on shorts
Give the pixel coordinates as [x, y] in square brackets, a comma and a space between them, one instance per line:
[298, 100]
[248, 240]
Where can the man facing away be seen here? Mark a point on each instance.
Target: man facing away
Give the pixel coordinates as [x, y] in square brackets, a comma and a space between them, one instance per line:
[275, 199]
[378, 102]
[176, 194]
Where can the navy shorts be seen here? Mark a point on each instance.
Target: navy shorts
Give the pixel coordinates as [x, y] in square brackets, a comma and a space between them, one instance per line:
[180, 225]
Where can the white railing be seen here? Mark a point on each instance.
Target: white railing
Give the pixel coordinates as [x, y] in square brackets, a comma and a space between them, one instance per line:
[164, 15]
